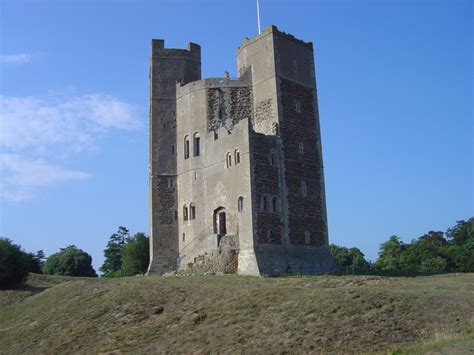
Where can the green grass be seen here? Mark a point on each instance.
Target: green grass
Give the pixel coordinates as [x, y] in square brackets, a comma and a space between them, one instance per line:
[239, 314]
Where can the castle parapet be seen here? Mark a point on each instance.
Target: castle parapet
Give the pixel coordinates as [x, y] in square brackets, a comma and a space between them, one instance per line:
[213, 83]
[192, 52]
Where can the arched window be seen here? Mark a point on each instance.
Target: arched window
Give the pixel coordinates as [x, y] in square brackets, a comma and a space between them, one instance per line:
[237, 157]
[240, 204]
[185, 213]
[304, 188]
[228, 160]
[307, 237]
[275, 204]
[197, 144]
[186, 147]
[192, 211]
[264, 203]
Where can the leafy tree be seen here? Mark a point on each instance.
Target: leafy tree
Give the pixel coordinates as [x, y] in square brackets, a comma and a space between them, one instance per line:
[36, 261]
[433, 265]
[113, 253]
[344, 257]
[69, 261]
[14, 264]
[389, 255]
[433, 252]
[462, 232]
[463, 256]
[426, 254]
[358, 258]
[135, 255]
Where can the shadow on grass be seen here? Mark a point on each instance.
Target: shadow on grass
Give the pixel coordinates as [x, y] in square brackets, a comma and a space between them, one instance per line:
[25, 288]
[29, 288]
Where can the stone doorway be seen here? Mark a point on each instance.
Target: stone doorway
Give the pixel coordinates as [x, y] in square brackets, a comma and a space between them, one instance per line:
[220, 223]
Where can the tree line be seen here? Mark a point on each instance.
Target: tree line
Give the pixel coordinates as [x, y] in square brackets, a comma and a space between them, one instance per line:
[126, 255]
[431, 253]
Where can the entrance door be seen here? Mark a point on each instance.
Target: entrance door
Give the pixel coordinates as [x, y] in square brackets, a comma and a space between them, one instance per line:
[222, 226]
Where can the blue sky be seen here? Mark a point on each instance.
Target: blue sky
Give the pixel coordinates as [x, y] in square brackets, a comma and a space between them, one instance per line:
[395, 86]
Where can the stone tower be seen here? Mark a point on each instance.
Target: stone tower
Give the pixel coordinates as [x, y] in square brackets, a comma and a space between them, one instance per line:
[236, 172]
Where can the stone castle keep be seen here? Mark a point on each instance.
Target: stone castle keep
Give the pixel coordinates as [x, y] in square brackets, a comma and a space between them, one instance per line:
[236, 170]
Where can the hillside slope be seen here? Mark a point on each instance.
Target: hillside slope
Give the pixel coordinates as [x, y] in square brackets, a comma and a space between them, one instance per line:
[232, 313]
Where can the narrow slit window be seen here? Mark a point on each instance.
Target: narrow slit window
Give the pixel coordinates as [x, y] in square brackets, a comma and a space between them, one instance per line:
[297, 106]
[228, 160]
[271, 235]
[197, 145]
[240, 204]
[307, 237]
[186, 147]
[275, 204]
[272, 159]
[304, 188]
[300, 148]
[192, 211]
[185, 213]
[237, 157]
[172, 149]
[264, 203]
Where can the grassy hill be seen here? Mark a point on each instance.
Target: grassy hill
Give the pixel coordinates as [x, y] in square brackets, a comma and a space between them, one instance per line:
[232, 313]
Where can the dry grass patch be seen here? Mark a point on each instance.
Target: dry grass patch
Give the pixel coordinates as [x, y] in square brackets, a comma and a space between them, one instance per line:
[233, 314]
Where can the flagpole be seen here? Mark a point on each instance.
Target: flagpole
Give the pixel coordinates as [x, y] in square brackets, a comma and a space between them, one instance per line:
[258, 16]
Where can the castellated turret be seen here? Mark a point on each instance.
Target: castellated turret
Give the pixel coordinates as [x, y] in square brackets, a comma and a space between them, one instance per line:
[236, 171]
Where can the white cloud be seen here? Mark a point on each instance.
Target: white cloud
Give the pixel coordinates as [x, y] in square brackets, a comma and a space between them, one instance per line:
[20, 176]
[36, 131]
[20, 58]
[38, 123]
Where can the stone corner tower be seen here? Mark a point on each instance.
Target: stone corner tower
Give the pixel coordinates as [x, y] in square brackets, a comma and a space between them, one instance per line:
[167, 68]
[237, 162]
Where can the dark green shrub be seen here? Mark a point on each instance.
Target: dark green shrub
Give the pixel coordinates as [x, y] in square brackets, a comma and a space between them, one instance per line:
[14, 264]
[69, 261]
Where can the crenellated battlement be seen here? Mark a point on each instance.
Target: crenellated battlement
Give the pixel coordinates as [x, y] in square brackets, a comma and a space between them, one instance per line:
[274, 29]
[158, 50]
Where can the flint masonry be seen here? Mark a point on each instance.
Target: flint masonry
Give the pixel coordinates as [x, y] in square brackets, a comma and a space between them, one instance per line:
[236, 170]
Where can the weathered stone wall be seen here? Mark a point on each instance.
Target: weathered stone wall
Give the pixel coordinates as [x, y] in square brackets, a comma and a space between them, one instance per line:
[266, 125]
[167, 66]
[266, 182]
[286, 124]
[219, 111]
[303, 164]
[228, 105]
